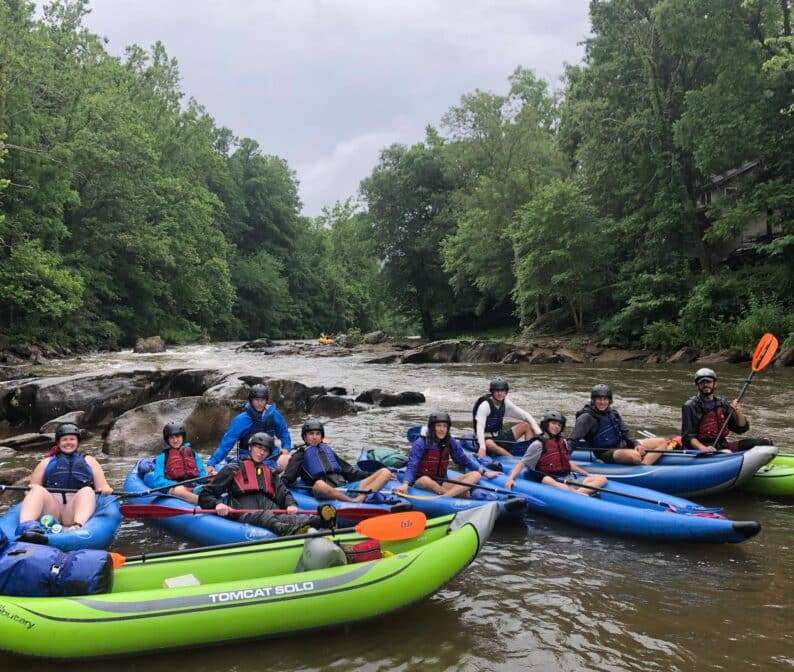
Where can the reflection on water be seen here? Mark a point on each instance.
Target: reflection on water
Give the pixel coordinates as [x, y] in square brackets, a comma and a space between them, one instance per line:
[542, 596]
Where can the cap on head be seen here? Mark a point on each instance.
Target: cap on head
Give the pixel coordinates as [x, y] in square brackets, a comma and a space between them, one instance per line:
[552, 416]
[705, 374]
[174, 428]
[67, 429]
[601, 390]
[263, 439]
[498, 384]
[312, 425]
[258, 391]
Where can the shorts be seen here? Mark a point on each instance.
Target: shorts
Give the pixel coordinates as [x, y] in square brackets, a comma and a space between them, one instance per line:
[607, 456]
[538, 476]
[59, 502]
[505, 435]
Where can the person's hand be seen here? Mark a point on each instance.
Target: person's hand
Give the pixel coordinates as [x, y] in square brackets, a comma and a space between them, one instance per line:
[392, 476]
[211, 470]
[292, 509]
[640, 450]
[107, 490]
[736, 406]
[402, 488]
[222, 509]
[509, 484]
[491, 474]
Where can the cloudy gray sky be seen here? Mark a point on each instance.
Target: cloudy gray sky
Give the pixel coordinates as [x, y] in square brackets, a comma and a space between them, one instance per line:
[327, 84]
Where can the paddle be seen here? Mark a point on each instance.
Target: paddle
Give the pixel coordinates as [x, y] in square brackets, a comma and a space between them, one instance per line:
[388, 527]
[518, 446]
[490, 488]
[140, 493]
[158, 511]
[667, 505]
[764, 352]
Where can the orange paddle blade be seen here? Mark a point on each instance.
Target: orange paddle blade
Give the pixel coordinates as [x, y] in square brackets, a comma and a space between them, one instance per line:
[764, 351]
[394, 526]
[118, 560]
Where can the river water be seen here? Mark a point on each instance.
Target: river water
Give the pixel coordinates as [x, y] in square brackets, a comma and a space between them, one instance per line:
[542, 595]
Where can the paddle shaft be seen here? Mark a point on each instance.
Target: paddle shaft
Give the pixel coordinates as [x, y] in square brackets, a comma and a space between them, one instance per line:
[140, 493]
[162, 511]
[416, 432]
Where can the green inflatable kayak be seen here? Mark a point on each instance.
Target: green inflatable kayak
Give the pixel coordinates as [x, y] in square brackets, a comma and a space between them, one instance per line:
[774, 478]
[240, 592]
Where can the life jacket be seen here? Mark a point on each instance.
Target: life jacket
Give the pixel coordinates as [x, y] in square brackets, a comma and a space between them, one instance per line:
[554, 458]
[711, 422]
[607, 434]
[319, 461]
[435, 460]
[180, 463]
[36, 570]
[252, 478]
[259, 423]
[496, 416]
[68, 471]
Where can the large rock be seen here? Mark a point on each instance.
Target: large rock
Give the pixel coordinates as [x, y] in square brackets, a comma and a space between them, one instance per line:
[517, 356]
[544, 356]
[290, 396]
[374, 337]
[152, 344]
[439, 352]
[683, 356]
[391, 358]
[617, 355]
[75, 417]
[785, 358]
[31, 441]
[258, 344]
[723, 357]
[483, 351]
[401, 399]
[11, 475]
[570, 356]
[332, 407]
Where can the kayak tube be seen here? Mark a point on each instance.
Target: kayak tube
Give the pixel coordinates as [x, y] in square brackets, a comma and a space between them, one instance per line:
[775, 478]
[98, 532]
[248, 591]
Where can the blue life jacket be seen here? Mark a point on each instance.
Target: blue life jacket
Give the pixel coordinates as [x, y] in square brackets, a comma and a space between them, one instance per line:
[320, 461]
[258, 424]
[607, 434]
[35, 570]
[496, 416]
[68, 471]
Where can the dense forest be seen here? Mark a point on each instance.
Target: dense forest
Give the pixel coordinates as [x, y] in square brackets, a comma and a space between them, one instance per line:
[649, 201]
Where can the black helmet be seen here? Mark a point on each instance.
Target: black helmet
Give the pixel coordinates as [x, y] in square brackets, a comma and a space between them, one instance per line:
[498, 384]
[263, 439]
[258, 391]
[312, 425]
[67, 429]
[435, 418]
[174, 428]
[601, 390]
[705, 374]
[548, 417]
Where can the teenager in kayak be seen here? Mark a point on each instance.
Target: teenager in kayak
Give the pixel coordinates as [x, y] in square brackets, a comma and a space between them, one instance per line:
[703, 415]
[318, 466]
[63, 468]
[546, 459]
[252, 484]
[176, 462]
[600, 426]
[429, 459]
[488, 415]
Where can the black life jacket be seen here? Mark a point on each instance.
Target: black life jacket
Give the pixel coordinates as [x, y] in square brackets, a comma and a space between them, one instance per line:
[496, 415]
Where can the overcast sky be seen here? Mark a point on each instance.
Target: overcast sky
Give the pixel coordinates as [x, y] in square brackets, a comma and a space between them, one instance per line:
[327, 84]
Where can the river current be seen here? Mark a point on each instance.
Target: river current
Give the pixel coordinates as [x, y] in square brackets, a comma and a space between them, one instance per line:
[542, 595]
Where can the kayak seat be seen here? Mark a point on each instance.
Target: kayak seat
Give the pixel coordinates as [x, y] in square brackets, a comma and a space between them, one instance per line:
[320, 553]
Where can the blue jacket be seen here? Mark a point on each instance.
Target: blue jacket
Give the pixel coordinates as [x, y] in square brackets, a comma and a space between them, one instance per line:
[273, 422]
[157, 479]
[456, 454]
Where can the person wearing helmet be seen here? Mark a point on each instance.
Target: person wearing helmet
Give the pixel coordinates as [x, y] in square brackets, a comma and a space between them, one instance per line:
[257, 416]
[64, 467]
[319, 467]
[177, 461]
[599, 426]
[488, 415]
[546, 459]
[703, 415]
[252, 484]
[429, 459]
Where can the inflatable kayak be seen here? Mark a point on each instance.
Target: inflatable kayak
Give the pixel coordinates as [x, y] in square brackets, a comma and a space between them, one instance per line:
[775, 478]
[510, 506]
[686, 474]
[635, 512]
[238, 593]
[204, 529]
[305, 500]
[97, 533]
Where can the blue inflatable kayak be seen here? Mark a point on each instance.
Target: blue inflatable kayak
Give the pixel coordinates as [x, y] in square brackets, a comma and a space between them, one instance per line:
[358, 510]
[687, 474]
[432, 505]
[206, 529]
[635, 512]
[97, 533]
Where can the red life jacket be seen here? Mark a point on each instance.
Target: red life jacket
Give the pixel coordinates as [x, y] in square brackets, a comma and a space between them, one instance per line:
[435, 461]
[710, 424]
[554, 458]
[252, 477]
[180, 464]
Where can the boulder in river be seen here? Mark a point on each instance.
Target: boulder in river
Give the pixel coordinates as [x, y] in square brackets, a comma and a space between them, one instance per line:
[152, 344]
